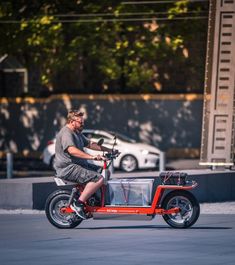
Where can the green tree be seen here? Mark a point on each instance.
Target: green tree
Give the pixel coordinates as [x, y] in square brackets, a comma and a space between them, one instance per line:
[106, 46]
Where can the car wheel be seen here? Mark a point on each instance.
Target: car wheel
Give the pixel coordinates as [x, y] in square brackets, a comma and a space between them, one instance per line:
[129, 163]
[52, 162]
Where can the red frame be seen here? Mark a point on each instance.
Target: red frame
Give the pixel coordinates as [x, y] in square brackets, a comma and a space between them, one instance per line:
[148, 210]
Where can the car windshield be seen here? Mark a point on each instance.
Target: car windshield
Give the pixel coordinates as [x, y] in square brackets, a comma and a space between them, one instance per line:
[123, 137]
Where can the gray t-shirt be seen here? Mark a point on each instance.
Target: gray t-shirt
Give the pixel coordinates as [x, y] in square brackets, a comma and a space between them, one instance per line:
[64, 162]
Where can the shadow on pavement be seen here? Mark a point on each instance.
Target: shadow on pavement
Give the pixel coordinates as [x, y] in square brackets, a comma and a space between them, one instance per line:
[152, 226]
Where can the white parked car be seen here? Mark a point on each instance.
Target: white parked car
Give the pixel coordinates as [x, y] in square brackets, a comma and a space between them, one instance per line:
[133, 155]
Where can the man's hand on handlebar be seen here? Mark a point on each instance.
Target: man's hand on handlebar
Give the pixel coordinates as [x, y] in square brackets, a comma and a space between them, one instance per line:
[115, 152]
[112, 155]
[107, 156]
[99, 158]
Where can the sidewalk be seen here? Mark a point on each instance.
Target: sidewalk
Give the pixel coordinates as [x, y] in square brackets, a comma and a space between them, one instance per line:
[36, 168]
[218, 208]
[206, 208]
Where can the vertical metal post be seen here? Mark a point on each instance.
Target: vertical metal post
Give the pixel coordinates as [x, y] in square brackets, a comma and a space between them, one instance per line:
[26, 90]
[162, 162]
[111, 168]
[9, 165]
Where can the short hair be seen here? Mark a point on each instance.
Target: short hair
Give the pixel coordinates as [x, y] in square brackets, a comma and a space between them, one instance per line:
[73, 114]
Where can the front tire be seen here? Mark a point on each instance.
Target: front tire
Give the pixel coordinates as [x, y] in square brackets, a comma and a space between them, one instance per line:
[189, 209]
[54, 203]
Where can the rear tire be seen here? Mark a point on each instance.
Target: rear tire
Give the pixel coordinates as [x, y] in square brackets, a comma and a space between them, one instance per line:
[188, 204]
[54, 203]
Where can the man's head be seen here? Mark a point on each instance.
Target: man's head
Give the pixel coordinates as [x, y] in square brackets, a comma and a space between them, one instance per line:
[75, 120]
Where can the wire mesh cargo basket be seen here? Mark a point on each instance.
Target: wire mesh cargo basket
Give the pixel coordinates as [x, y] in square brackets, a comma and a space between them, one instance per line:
[173, 178]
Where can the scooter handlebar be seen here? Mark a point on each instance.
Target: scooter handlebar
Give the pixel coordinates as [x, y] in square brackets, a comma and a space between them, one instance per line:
[112, 155]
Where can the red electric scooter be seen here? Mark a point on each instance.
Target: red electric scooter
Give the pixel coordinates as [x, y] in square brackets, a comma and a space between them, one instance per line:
[139, 199]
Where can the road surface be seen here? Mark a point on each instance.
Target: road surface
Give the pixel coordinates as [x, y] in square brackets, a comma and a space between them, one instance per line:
[30, 239]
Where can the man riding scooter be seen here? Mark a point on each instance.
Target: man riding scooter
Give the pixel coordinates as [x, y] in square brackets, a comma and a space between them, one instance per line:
[71, 161]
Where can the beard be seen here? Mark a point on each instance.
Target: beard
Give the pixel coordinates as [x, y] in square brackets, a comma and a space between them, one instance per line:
[80, 129]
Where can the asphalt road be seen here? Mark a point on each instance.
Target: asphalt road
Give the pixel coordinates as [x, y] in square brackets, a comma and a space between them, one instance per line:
[30, 239]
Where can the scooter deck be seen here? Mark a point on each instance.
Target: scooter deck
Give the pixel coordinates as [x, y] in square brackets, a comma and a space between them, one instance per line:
[127, 217]
[128, 206]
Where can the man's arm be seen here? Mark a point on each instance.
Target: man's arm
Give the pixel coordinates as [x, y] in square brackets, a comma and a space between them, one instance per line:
[95, 146]
[72, 150]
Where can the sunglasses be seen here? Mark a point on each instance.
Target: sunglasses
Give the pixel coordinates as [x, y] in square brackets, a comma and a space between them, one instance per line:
[78, 121]
[76, 113]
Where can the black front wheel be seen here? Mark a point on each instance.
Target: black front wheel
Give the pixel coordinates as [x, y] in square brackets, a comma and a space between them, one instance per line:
[189, 209]
[55, 202]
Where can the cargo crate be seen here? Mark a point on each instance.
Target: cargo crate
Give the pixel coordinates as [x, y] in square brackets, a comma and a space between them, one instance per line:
[130, 192]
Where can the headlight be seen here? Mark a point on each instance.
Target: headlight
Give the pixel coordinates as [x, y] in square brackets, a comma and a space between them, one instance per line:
[144, 152]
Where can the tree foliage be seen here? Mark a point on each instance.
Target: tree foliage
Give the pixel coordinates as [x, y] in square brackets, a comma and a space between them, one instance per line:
[106, 46]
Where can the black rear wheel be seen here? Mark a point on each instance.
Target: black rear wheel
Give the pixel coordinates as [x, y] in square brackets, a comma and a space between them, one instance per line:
[189, 209]
[55, 202]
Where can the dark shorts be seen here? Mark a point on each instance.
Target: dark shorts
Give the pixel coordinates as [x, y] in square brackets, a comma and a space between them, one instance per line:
[84, 174]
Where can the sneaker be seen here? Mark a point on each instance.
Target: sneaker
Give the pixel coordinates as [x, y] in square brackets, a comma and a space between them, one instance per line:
[79, 210]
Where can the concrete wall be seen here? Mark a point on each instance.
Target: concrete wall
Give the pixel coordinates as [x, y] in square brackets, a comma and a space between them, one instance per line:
[170, 122]
[214, 187]
[32, 193]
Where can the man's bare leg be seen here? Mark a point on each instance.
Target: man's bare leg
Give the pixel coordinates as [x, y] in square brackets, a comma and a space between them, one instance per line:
[90, 189]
